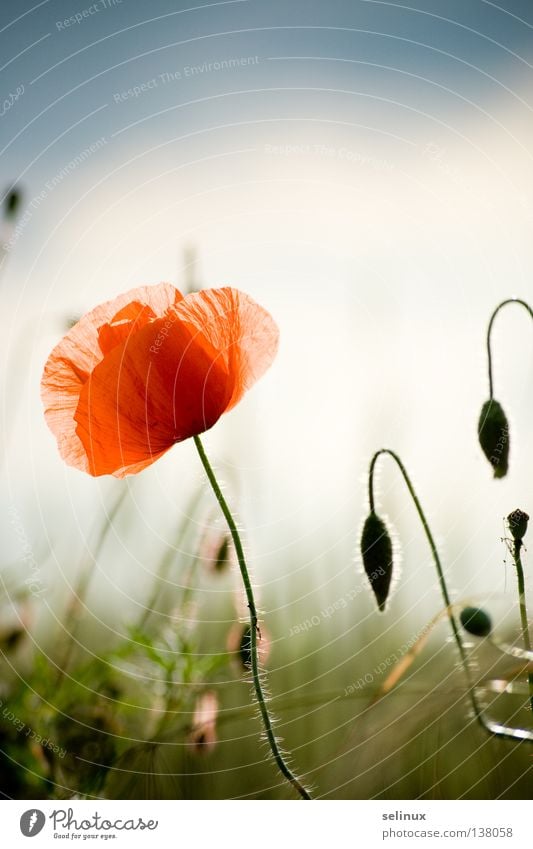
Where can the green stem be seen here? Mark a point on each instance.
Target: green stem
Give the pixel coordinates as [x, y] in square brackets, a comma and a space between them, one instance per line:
[267, 722]
[440, 573]
[523, 609]
[489, 331]
[429, 535]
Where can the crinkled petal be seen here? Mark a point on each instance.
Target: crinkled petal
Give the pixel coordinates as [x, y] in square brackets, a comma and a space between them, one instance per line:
[152, 368]
[161, 386]
[127, 321]
[242, 332]
[73, 359]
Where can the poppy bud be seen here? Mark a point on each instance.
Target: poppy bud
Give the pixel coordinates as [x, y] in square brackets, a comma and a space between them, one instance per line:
[12, 639]
[12, 203]
[203, 735]
[376, 551]
[221, 559]
[517, 521]
[476, 621]
[245, 648]
[216, 551]
[493, 432]
[240, 645]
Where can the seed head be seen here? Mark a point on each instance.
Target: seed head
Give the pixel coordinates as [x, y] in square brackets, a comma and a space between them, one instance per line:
[376, 551]
[517, 521]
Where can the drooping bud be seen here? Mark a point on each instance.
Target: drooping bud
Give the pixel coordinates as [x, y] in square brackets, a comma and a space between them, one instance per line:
[221, 559]
[216, 551]
[517, 521]
[376, 551]
[10, 640]
[12, 203]
[476, 621]
[493, 433]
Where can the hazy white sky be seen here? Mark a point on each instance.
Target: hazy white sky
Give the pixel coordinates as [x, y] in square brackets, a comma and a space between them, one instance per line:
[367, 178]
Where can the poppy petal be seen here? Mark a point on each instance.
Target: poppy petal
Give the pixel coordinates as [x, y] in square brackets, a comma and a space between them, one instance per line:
[123, 324]
[244, 334]
[161, 386]
[72, 360]
[150, 369]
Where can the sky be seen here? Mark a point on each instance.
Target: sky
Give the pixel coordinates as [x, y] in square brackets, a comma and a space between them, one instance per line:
[364, 170]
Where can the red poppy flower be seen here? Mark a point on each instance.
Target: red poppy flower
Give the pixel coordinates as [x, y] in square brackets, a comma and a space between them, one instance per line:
[149, 369]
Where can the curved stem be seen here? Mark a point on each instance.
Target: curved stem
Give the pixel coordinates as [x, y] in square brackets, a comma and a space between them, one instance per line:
[523, 609]
[493, 728]
[267, 722]
[429, 535]
[489, 331]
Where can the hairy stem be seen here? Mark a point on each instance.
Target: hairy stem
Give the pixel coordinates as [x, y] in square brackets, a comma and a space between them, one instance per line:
[492, 728]
[429, 535]
[523, 609]
[489, 331]
[265, 716]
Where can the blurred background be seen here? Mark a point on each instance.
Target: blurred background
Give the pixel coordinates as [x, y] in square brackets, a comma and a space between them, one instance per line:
[363, 170]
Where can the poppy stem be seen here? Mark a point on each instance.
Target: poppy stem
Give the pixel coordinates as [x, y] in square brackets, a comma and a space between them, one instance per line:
[267, 722]
[440, 573]
[523, 608]
[489, 331]
[427, 531]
